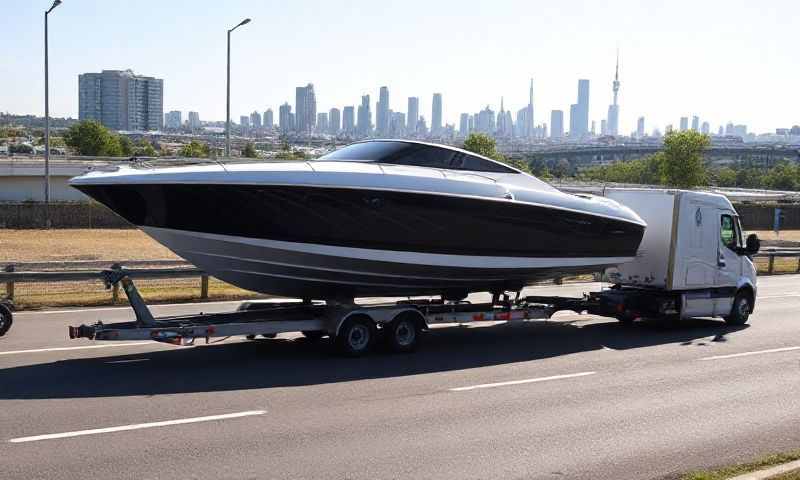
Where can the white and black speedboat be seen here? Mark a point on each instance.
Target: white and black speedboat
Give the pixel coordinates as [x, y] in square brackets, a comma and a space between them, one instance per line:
[381, 217]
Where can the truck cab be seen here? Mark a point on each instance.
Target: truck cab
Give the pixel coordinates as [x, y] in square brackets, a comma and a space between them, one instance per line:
[694, 250]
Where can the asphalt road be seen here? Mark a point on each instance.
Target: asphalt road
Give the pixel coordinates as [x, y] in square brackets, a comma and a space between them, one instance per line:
[575, 397]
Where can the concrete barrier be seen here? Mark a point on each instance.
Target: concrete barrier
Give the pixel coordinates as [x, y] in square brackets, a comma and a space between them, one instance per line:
[62, 215]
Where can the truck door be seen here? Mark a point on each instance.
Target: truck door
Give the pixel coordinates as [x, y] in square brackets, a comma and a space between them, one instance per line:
[729, 263]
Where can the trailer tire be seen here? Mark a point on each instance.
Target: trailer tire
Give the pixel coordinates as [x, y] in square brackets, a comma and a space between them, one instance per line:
[740, 311]
[5, 319]
[402, 334]
[313, 335]
[626, 319]
[356, 336]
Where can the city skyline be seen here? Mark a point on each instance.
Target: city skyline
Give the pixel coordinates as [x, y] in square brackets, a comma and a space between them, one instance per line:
[657, 78]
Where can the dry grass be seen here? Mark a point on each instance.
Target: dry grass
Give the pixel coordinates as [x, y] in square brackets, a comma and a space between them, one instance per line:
[791, 235]
[740, 469]
[79, 244]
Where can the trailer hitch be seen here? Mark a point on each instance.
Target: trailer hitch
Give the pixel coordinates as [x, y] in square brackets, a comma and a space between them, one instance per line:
[118, 274]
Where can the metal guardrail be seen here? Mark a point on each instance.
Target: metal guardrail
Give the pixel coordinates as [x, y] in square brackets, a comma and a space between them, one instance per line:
[175, 269]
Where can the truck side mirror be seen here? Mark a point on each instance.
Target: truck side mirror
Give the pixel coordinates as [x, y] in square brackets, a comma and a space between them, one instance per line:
[752, 244]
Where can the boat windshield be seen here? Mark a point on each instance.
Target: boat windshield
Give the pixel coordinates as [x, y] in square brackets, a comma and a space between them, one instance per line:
[416, 154]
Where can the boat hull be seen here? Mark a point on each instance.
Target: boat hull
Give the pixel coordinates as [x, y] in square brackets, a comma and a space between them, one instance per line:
[327, 242]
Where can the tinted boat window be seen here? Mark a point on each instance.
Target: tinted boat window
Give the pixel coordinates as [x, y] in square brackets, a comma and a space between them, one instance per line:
[402, 153]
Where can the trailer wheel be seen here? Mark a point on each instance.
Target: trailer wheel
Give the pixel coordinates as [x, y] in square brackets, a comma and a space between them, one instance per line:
[403, 333]
[626, 319]
[5, 319]
[313, 335]
[740, 311]
[356, 336]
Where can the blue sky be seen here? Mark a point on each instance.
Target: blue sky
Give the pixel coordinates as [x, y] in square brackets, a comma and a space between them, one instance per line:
[722, 60]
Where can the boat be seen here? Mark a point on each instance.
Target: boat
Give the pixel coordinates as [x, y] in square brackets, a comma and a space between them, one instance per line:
[374, 218]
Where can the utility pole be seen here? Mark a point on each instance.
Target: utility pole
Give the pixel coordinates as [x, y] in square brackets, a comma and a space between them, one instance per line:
[228, 96]
[47, 121]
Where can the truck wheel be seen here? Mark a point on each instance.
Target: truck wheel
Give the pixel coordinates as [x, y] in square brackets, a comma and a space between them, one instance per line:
[5, 319]
[740, 312]
[626, 319]
[356, 336]
[313, 335]
[403, 333]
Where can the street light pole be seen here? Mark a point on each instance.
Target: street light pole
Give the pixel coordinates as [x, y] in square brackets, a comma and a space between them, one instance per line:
[228, 94]
[47, 120]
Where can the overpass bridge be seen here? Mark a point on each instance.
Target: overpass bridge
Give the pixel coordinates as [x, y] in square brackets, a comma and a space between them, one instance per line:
[585, 155]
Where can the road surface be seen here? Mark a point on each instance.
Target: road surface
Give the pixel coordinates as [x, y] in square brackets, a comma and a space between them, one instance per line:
[576, 397]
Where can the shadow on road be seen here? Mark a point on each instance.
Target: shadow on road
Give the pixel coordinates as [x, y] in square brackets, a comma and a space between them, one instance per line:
[298, 362]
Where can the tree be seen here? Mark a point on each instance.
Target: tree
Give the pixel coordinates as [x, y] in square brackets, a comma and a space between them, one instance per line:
[725, 177]
[683, 163]
[194, 149]
[126, 146]
[90, 137]
[782, 177]
[249, 151]
[485, 145]
[144, 148]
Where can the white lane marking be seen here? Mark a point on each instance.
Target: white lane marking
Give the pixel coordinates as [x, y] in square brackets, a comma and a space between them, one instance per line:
[747, 354]
[520, 382]
[137, 426]
[61, 349]
[785, 295]
[135, 360]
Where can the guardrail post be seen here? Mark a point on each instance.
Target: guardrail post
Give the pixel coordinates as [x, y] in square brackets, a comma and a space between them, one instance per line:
[115, 293]
[558, 280]
[204, 286]
[771, 263]
[10, 284]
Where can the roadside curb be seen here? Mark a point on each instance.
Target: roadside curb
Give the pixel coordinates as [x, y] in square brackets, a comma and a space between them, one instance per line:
[769, 472]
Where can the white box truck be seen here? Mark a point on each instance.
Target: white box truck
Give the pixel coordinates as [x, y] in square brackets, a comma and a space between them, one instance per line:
[693, 251]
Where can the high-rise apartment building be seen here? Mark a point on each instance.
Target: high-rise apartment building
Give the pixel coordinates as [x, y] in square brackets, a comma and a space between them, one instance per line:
[244, 122]
[436, 114]
[640, 127]
[463, 125]
[706, 128]
[194, 120]
[349, 120]
[696, 123]
[684, 125]
[413, 115]
[305, 108]
[121, 100]
[322, 122]
[556, 124]
[334, 121]
[172, 120]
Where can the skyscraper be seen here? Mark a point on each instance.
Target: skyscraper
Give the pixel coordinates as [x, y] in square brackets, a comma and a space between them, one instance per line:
[244, 121]
[696, 123]
[382, 112]
[463, 127]
[334, 121]
[305, 108]
[322, 122]
[706, 128]
[364, 117]
[556, 124]
[285, 122]
[529, 123]
[436, 115]
[579, 112]
[413, 115]
[612, 126]
[684, 124]
[348, 120]
[268, 119]
[603, 127]
[640, 127]
[121, 100]
[255, 120]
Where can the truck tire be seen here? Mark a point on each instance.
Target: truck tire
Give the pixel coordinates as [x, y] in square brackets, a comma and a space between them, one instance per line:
[356, 336]
[5, 319]
[403, 333]
[740, 311]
